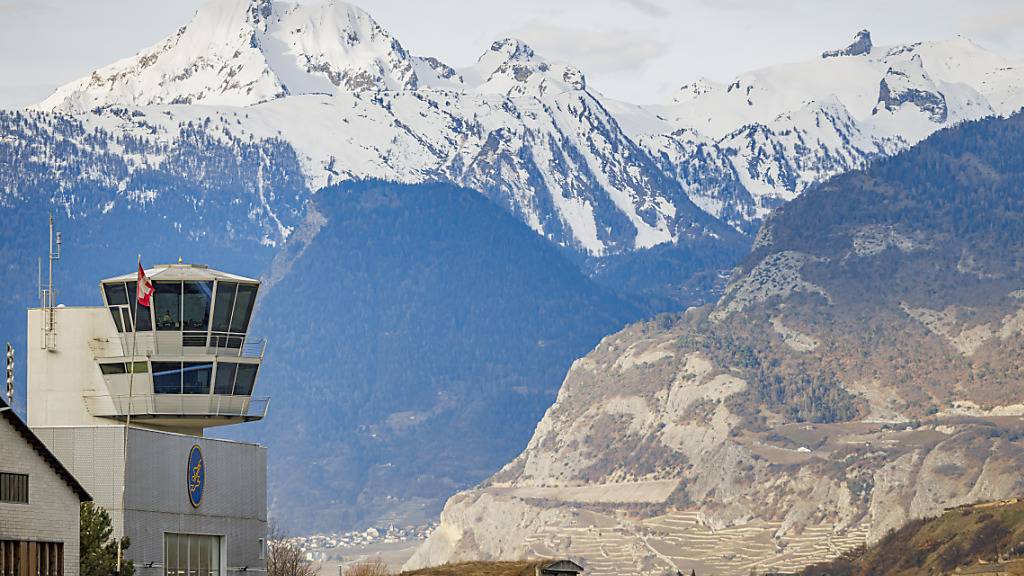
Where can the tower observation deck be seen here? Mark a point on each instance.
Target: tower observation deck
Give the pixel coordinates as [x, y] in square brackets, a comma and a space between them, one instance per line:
[122, 394]
[184, 363]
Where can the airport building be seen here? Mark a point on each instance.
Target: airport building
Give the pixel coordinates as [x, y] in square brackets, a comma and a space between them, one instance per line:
[123, 395]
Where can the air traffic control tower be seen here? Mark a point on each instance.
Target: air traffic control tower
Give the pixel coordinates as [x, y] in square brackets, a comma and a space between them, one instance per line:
[123, 395]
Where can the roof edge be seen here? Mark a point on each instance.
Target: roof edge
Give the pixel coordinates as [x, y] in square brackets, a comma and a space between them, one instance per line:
[8, 413]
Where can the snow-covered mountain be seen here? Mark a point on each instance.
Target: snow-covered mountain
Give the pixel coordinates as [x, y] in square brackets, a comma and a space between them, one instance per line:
[789, 125]
[354, 103]
[245, 52]
[589, 173]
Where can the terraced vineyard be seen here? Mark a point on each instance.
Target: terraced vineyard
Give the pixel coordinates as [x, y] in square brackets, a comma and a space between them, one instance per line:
[611, 546]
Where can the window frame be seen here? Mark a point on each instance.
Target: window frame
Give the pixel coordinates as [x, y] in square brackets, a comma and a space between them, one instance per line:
[14, 488]
[214, 557]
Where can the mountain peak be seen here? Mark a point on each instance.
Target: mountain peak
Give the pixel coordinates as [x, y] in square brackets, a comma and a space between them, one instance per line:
[513, 49]
[245, 52]
[511, 67]
[861, 45]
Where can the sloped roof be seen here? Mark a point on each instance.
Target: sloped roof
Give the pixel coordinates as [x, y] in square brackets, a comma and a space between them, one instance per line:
[37, 444]
[182, 272]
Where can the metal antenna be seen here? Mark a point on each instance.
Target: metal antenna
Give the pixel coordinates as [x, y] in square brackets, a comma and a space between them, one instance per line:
[10, 375]
[48, 297]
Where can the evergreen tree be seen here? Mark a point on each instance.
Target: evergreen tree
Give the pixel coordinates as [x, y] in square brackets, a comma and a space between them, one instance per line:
[98, 551]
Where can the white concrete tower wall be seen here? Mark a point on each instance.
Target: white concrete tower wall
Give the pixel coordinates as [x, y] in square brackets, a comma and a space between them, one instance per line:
[60, 379]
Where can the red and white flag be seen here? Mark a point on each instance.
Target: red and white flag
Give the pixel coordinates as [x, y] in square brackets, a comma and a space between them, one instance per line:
[144, 288]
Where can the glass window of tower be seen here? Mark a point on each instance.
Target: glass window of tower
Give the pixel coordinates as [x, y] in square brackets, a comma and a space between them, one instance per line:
[196, 378]
[144, 322]
[223, 305]
[116, 294]
[243, 308]
[225, 378]
[196, 305]
[167, 307]
[167, 377]
[245, 379]
[191, 555]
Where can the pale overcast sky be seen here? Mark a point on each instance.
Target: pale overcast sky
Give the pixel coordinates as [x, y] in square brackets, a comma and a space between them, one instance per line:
[636, 50]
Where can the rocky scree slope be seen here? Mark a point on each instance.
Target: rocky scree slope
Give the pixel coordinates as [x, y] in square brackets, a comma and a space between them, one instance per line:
[857, 373]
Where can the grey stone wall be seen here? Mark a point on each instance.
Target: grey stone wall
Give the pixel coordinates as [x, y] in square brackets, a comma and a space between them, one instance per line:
[51, 514]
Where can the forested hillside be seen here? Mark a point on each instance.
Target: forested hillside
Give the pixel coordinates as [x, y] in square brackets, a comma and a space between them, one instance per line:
[418, 335]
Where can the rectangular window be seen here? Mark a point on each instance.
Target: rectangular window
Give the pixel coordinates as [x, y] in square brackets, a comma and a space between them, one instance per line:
[223, 304]
[167, 306]
[14, 488]
[127, 319]
[115, 311]
[191, 555]
[144, 322]
[245, 379]
[167, 377]
[243, 308]
[196, 378]
[116, 294]
[113, 368]
[225, 378]
[21, 558]
[196, 305]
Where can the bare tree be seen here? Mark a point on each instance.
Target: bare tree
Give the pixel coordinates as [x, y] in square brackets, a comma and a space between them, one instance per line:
[284, 559]
[375, 567]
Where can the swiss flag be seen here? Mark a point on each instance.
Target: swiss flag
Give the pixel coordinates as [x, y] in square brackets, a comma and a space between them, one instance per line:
[144, 288]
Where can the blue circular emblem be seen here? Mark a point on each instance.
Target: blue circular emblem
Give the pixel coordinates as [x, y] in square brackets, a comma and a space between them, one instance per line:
[195, 476]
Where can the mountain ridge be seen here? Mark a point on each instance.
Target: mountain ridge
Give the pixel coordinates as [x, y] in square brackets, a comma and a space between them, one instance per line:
[854, 375]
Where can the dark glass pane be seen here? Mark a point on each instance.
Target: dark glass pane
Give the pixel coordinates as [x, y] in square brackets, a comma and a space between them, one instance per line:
[225, 377]
[113, 368]
[197, 339]
[116, 294]
[145, 321]
[234, 342]
[196, 378]
[166, 377]
[127, 319]
[167, 305]
[218, 340]
[116, 313]
[140, 367]
[196, 305]
[246, 378]
[225, 301]
[243, 308]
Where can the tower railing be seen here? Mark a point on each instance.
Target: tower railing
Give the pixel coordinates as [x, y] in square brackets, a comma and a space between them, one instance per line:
[157, 343]
[178, 406]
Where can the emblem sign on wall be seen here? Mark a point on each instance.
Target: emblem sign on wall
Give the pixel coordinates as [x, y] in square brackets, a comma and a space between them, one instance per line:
[195, 476]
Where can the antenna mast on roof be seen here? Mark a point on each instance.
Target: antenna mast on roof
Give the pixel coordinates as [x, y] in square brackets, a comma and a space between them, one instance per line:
[47, 297]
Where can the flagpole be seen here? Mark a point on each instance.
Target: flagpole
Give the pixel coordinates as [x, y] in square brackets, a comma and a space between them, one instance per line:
[128, 416]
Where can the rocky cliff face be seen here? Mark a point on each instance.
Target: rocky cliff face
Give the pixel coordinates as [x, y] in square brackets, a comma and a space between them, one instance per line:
[857, 373]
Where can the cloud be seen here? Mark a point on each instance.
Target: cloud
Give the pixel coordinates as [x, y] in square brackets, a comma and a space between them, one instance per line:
[1000, 25]
[599, 51]
[648, 7]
